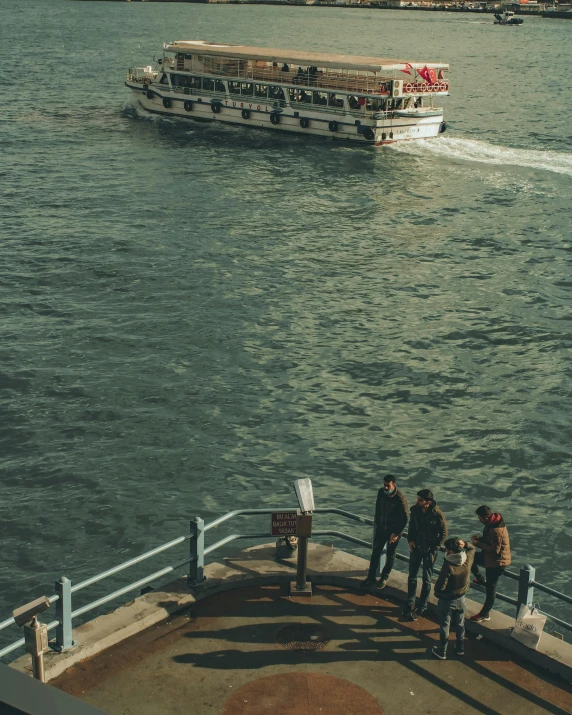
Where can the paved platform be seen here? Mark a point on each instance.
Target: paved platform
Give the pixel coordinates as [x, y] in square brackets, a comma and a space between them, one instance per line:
[255, 650]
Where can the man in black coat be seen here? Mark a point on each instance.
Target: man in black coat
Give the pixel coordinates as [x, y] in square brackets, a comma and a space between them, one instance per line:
[427, 531]
[389, 522]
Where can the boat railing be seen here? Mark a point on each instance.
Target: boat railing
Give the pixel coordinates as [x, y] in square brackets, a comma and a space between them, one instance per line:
[195, 560]
[142, 74]
[322, 79]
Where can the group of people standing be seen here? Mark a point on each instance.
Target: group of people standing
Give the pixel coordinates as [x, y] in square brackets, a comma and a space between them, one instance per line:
[426, 534]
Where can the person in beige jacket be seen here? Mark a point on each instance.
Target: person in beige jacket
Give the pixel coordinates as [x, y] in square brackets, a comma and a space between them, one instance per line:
[494, 555]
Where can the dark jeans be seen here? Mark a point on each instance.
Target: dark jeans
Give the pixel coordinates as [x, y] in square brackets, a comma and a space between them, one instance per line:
[493, 575]
[416, 560]
[379, 542]
[455, 611]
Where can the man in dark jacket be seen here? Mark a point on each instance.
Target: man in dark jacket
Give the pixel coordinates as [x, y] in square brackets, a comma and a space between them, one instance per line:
[450, 589]
[494, 556]
[427, 531]
[389, 522]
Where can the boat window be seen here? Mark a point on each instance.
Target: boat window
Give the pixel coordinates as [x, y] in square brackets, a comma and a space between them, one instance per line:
[260, 90]
[234, 87]
[219, 86]
[373, 105]
[246, 89]
[208, 84]
[335, 100]
[195, 82]
[299, 95]
[180, 80]
[164, 79]
[188, 57]
[320, 98]
[275, 92]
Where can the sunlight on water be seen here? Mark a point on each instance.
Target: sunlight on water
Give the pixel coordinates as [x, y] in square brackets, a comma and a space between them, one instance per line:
[486, 153]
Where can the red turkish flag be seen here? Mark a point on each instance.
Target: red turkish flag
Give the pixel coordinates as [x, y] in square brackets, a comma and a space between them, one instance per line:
[407, 69]
[429, 75]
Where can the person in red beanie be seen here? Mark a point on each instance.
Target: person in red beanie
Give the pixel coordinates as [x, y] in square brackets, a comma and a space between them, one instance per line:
[494, 555]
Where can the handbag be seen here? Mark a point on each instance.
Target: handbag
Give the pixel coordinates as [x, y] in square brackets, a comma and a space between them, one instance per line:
[529, 625]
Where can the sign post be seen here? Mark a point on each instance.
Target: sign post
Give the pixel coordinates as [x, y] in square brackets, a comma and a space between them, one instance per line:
[303, 487]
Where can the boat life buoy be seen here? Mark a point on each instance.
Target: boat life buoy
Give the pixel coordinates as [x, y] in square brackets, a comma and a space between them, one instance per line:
[442, 127]
[188, 106]
[333, 126]
[409, 87]
[150, 94]
[245, 113]
[446, 86]
[423, 87]
[368, 134]
[304, 122]
[167, 103]
[274, 118]
[216, 107]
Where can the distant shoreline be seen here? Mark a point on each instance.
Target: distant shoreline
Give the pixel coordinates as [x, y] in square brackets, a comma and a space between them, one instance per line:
[372, 6]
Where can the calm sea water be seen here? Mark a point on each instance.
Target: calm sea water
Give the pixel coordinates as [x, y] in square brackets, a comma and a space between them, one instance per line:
[196, 315]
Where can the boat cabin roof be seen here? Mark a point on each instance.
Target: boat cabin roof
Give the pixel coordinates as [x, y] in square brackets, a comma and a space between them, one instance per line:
[319, 59]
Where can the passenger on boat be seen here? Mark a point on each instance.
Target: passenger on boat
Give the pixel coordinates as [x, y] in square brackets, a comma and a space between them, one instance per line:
[285, 68]
[353, 102]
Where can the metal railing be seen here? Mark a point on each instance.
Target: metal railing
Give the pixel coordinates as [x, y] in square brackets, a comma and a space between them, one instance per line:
[65, 614]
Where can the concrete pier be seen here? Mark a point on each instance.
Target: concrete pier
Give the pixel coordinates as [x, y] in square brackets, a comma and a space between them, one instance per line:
[240, 645]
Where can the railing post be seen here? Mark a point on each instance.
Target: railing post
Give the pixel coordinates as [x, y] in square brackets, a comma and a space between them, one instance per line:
[525, 590]
[197, 552]
[63, 614]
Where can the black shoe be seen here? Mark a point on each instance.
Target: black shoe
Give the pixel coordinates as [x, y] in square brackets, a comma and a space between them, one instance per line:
[413, 615]
[406, 610]
[420, 612]
[367, 583]
[438, 653]
[460, 651]
[382, 583]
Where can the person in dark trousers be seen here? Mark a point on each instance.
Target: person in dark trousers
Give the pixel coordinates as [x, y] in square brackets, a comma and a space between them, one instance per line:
[494, 555]
[389, 522]
[427, 531]
[450, 588]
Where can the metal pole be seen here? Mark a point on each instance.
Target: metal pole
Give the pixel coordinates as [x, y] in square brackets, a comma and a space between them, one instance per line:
[36, 650]
[64, 638]
[38, 667]
[525, 590]
[197, 552]
[302, 564]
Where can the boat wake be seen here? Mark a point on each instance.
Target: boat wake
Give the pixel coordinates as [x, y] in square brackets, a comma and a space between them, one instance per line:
[486, 153]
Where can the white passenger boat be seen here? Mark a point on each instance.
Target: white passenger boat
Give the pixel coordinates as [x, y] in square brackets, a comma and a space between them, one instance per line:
[365, 99]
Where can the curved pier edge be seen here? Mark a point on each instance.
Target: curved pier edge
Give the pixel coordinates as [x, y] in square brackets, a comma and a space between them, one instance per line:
[257, 566]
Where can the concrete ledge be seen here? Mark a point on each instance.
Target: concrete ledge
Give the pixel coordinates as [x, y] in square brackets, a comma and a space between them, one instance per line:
[258, 566]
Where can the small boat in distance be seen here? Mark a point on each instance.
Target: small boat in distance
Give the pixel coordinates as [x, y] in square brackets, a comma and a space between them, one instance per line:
[346, 97]
[507, 18]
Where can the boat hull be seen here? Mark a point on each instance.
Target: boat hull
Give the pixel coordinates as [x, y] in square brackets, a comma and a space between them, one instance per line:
[342, 126]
